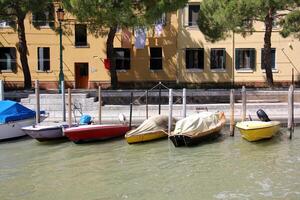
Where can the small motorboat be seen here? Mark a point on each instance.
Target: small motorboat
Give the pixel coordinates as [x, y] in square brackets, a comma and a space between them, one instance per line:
[46, 132]
[87, 133]
[14, 116]
[151, 129]
[197, 127]
[258, 130]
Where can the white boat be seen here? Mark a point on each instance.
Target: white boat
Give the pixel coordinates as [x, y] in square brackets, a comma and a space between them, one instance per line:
[14, 116]
[14, 129]
[42, 132]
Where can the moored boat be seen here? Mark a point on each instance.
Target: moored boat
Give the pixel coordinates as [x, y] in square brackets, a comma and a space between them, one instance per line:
[258, 130]
[95, 132]
[197, 127]
[151, 129]
[14, 116]
[42, 132]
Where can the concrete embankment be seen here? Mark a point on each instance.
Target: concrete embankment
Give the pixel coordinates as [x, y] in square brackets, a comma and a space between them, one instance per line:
[84, 104]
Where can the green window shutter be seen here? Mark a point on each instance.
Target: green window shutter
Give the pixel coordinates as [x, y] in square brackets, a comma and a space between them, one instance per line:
[252, 58]
[237, 59]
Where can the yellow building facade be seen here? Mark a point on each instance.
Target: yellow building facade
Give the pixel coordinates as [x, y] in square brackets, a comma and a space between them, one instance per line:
[179, 55]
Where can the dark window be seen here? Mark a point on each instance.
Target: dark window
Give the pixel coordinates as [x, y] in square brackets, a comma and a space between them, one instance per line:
[84, 69]
[193, 14]
[7, 58]
[155, 58]
[43, 58]
[80, 35]
[273, 57]
[218, 59]
[122, 58]
[194, 58]
[245, 59]
[44, 18]
[7, 23]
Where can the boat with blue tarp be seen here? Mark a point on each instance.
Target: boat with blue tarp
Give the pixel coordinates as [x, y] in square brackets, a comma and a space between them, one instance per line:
[14, 116]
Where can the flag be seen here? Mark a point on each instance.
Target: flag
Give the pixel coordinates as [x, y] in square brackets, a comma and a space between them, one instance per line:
[140, 38]
[126, 38]
[158, 29]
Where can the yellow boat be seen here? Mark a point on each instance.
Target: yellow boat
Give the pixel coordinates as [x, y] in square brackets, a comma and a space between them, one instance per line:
[151, 129]
[258, 130]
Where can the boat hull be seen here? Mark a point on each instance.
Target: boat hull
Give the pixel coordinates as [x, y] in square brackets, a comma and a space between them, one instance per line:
[95, 132]
[145, 137]
[44, 133]
[254, 132]
[14, 129]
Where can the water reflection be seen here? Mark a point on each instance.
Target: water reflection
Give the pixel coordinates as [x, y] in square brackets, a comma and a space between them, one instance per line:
[225, 168]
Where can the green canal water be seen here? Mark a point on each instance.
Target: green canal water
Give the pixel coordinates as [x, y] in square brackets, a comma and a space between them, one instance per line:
[226, 168]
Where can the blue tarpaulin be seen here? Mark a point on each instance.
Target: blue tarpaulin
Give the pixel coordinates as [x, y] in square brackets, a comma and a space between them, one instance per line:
[13, 111]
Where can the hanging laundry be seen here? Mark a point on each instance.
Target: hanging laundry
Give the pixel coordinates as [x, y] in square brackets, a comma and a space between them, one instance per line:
[140, 38]
[158, 29]
[126, 38]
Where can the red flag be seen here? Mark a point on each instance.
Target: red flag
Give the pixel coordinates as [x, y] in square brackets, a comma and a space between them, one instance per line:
[107, 63]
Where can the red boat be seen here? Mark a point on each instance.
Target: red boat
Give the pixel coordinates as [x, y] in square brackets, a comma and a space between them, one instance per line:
[95, 132]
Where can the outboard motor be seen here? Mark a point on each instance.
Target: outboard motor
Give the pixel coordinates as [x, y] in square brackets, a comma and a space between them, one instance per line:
[85, 120]
[262, 115]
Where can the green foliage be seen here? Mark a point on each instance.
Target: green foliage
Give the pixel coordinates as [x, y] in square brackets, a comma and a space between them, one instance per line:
[291, 24]
[122, 13]
[219, 17]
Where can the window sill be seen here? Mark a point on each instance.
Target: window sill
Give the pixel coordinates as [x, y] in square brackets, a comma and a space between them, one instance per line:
[7, 71]
[194, 70]
[219, 70]
[244, 70]
[156, 70]
[5, 27]
[46, 72]
[82, 46]
[273, 71]
[193, 27]
[122, 70]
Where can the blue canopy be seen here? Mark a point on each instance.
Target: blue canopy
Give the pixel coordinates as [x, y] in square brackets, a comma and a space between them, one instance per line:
[13, 111]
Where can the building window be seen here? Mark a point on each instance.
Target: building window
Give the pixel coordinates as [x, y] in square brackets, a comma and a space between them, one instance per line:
[245, 59]
[7, 58]
[122, 58]
[155, 58]
[218, 59]
[273, 57]
[193, 14]
[194, 58]
[80, 35]
[7, 23]
[44, 18]
[43, 59]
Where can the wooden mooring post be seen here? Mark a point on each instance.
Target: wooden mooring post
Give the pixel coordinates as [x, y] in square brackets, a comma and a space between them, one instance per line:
[130, 113]
[291, 110]
[232, 123]
[183, 103]
[63, 95]
[159, 99]
[244, 103]
[100, 105]
[37, 102]
[1, 90]
[170, 111]
[69, 107]
[147, 111]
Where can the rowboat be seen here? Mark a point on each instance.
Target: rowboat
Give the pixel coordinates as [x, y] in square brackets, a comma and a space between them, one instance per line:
[42, 132]
[151, 129]
[14, 116]
[196, 128]
[95, 132]
[258, 130]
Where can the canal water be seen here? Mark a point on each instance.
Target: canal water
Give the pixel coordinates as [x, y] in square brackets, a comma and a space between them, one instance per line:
[226, 168]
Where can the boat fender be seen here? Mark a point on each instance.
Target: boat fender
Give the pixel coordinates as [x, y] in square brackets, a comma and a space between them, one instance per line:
[85, 119]
[262, 115]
